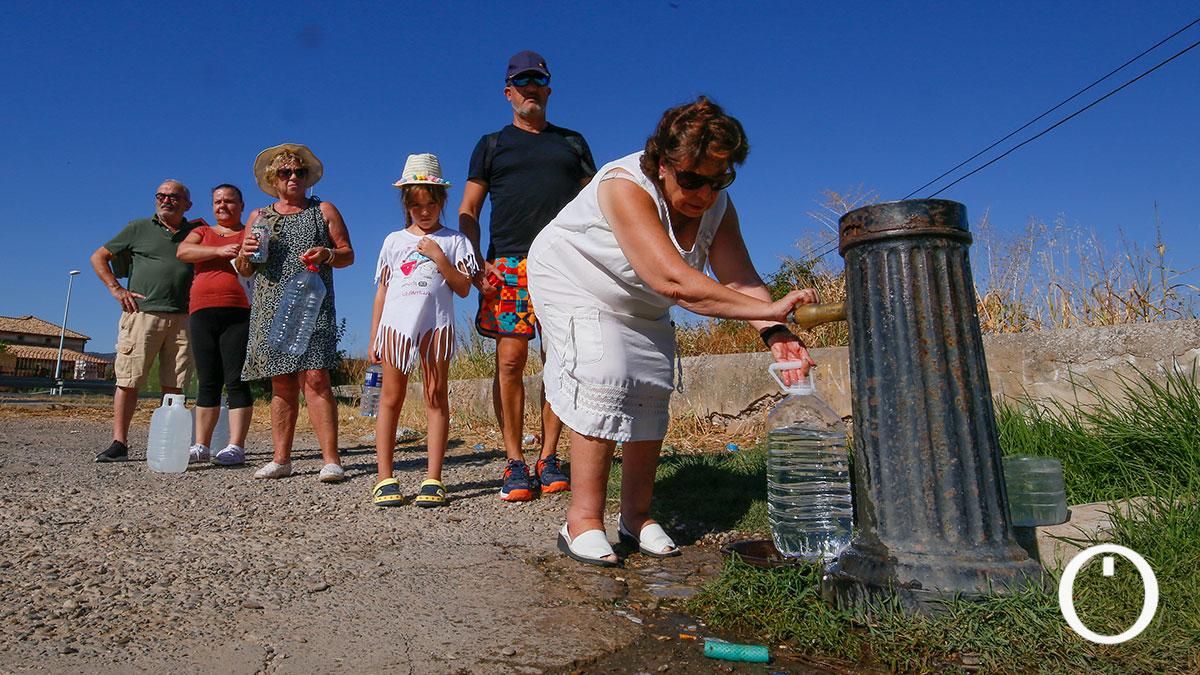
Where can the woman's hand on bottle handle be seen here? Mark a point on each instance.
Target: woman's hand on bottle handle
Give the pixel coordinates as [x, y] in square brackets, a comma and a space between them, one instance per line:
[373, 357]
[317, 255]
[787, 347]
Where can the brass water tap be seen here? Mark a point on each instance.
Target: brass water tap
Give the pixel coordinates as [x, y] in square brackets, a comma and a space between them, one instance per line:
[811, 316]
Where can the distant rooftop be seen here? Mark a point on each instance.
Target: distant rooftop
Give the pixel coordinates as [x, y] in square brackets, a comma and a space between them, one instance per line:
[31, 325]
[51, 353]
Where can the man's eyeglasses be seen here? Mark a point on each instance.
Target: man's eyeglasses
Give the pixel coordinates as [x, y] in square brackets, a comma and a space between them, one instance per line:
[168, 196]
[285, 174]
[690, 180]
[525, 80]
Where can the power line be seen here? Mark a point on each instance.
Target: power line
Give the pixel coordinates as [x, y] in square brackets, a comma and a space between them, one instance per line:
[809, 255]
[1060, 104]
[1066, 119]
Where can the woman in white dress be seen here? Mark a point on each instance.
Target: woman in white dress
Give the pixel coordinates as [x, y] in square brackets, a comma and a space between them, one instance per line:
[603, 276]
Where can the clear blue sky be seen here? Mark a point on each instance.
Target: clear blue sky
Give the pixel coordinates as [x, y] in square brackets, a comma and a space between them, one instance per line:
[104, 100]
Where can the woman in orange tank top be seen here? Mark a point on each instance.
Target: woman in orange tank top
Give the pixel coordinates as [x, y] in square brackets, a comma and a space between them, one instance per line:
[219, 325]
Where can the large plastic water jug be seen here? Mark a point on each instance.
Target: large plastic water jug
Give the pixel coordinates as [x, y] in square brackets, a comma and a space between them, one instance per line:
[170, 431]
[1037, 493]
[809, 503]
[372, 386]
[296, 317]
[220, 434]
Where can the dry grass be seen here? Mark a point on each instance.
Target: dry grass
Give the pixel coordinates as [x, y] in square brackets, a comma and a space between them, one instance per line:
[1060, 276]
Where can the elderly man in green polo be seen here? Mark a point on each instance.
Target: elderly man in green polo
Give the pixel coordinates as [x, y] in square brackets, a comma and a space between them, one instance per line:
[153, 308]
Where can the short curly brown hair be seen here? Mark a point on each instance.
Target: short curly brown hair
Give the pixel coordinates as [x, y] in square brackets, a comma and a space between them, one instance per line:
[691, 133]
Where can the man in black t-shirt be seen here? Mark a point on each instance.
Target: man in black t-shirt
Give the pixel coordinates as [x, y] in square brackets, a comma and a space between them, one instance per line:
[530, 169]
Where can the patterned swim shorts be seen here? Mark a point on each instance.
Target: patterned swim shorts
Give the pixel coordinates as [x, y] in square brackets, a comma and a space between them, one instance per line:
[509, 313]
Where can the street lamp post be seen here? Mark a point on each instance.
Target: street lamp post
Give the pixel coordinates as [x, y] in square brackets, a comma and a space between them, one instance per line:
[62, 333]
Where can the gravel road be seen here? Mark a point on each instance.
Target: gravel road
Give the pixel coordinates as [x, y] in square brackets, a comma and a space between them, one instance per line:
[112, 568]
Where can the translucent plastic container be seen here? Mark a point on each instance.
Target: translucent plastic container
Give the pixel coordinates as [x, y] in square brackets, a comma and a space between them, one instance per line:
[170, 434]
[260, 234]
[809, 504]
[372, 386]
[220, 434]
[296, 316]
[1036, 491]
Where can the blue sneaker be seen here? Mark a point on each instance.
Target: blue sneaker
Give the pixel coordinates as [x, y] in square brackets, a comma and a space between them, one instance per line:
[550, 475]
[517, 485]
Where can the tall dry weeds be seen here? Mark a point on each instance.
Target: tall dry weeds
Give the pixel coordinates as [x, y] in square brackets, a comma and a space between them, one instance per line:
[1061, 276]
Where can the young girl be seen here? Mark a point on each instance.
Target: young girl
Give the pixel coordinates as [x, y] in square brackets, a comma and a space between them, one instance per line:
[413, 319]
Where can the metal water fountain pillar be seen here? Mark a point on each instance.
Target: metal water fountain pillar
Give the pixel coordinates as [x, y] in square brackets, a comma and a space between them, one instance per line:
[932, 515]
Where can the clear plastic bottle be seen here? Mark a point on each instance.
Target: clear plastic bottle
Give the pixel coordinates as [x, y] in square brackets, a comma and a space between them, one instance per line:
[296, 316]
[220, 434]
[808, 473]
[259, 231]
[372, 386]
[170, 429]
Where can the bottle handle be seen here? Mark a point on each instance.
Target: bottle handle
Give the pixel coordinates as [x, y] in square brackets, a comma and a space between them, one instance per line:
[805, 385]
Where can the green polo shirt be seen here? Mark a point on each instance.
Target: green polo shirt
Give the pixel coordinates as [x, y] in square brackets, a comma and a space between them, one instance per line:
[154, 271]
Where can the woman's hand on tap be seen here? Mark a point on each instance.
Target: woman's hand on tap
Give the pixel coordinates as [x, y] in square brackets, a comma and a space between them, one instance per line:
[781, 309]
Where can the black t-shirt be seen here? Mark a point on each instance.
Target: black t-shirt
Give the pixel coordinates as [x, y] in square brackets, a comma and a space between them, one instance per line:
[531, 178]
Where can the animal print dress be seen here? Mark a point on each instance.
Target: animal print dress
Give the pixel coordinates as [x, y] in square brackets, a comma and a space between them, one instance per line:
[290, 235]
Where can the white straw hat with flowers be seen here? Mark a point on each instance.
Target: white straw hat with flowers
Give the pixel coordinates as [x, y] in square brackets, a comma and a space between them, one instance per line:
[266, 179]
[422, 169]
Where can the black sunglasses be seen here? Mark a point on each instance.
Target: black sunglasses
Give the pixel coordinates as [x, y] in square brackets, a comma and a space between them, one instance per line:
[288, 173]
[168, 196]
[523, 80]
[690, 180]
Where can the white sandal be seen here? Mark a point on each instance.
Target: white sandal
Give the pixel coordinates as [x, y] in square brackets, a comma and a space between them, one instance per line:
[652, 540]
[273, 470]
[591, 547]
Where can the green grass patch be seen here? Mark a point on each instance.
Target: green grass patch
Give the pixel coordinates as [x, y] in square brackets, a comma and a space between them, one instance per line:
[1143, 442]
[708, 492]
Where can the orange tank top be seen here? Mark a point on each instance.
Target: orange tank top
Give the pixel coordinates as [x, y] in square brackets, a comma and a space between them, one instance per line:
[216, 282]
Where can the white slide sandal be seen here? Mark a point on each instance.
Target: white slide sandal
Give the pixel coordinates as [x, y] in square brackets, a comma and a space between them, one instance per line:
[591, 547]
[652, 540]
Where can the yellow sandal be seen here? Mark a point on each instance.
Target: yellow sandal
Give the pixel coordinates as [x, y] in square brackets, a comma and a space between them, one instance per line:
[387, 493]
[431, 494]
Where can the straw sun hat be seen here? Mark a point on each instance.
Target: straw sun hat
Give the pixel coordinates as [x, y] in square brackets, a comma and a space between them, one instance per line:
[422, 169]
[262, 164]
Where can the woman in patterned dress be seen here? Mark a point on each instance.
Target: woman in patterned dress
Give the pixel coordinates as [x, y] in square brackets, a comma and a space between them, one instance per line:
[301, 230]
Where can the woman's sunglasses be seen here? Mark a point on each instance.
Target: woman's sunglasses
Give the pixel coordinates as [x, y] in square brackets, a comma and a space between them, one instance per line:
[690, 180]
[284, 174]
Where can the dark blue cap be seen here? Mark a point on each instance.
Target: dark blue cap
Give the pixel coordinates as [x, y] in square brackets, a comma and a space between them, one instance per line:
[526, 62]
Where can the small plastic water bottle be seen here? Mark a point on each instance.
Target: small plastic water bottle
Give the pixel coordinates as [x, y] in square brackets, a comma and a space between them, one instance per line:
[170, 429]
[296, 316]
[259, 231]
[220, 434]
[808, 473]
[372, 385]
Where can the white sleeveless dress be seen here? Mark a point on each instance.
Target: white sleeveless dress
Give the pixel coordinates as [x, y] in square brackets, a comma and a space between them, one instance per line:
[610, 344]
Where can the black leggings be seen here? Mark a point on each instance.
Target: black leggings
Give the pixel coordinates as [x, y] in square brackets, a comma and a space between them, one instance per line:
[218, 338]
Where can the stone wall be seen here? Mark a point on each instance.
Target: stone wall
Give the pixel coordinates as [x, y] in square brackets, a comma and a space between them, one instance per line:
[735, 388]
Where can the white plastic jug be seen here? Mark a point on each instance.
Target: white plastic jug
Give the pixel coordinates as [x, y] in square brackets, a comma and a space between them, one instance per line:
[170, 431]
[220, 434]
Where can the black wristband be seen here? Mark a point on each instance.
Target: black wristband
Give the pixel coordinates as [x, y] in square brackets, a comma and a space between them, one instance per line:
[771, 331]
